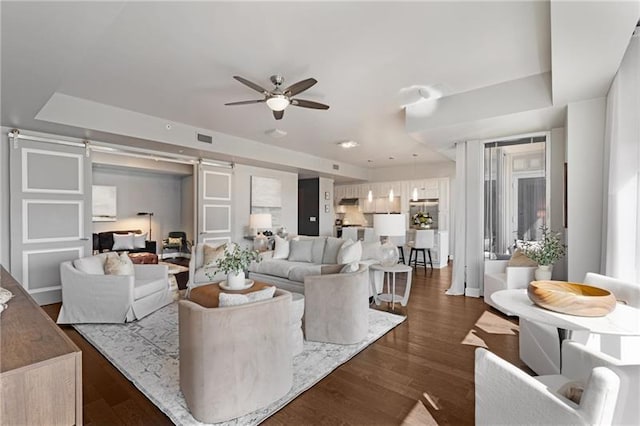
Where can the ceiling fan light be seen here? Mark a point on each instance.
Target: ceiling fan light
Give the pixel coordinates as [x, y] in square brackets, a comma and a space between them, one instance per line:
[278, 102]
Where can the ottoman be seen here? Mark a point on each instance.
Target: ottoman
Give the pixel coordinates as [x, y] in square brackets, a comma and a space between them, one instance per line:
[144, 258]
[295, 324]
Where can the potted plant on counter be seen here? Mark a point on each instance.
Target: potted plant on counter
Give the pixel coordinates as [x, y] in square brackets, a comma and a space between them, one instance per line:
[234, 262]
[545, 252]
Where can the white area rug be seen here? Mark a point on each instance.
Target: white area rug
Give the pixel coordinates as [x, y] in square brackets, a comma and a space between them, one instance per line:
[146, 352]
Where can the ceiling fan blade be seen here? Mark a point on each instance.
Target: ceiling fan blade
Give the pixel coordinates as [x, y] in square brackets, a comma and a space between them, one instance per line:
[278, 114]
[257, 101]
[299, 87]
[251, 84]
[308, 104]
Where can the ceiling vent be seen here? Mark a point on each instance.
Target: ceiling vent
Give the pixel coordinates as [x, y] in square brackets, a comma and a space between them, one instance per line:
[204, 138]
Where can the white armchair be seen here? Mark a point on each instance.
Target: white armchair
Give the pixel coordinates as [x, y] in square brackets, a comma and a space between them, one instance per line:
[99, 298]
[539, 347]
[198, 274]
[506, 395]
[499, 276]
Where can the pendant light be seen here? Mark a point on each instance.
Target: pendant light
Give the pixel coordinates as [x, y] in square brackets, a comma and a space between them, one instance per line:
[414, 194]
[370, 193]
[391, 195]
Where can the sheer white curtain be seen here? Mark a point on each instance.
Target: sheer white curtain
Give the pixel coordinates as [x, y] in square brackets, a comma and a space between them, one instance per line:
[622, 239]
[468, 260]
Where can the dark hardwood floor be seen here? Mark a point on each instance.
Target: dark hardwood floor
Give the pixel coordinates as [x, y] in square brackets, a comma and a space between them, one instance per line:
[419, 373]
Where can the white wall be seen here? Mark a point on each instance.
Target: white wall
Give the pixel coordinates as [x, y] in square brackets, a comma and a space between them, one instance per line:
[142, 191]
[326, 219]
[585, 151]
[4, 199]
[242, 198]
[557, 146]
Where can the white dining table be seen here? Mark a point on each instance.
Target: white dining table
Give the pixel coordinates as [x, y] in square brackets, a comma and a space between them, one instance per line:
[624, 320]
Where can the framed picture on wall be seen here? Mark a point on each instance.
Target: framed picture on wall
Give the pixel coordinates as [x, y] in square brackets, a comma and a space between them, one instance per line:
[104, 203]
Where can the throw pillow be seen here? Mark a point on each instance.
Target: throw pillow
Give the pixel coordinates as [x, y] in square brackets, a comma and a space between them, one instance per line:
[350, 267]
[226, 299]
[139, 240]
[331, 250]
[93, 265]
[118, 264]
[349, 252]
[520, 259]
[212, 254]
[281, 249]
[174, 241]
[300, 250]
[572, 391]
[371, 250]
[122, 242]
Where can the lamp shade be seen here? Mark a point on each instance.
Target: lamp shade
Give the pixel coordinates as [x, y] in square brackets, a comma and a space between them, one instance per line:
[389, 225]
[260, 220]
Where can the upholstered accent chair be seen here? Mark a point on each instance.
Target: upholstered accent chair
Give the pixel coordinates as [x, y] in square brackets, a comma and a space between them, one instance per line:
[506, 395]
[235, 359]
[539, 347]
[90, 296]
[336, 307]
[498, 275]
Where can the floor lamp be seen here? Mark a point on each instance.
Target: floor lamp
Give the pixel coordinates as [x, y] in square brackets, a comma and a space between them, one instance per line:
[150, 214]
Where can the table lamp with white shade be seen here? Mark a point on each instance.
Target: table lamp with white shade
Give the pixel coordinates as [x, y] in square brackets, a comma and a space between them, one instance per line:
[389, 225]
[257, 222]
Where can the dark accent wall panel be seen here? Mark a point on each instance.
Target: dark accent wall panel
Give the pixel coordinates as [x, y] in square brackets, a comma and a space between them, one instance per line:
[308, 206]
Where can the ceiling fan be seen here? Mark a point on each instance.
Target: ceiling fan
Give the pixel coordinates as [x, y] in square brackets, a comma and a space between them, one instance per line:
[278, 99]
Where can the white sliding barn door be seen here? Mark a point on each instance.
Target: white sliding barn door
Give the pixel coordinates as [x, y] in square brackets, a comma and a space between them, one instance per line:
[50, 186]
[214, 205]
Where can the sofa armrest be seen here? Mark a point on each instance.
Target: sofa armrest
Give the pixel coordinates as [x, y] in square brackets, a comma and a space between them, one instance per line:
[151, 272]
[495, 266]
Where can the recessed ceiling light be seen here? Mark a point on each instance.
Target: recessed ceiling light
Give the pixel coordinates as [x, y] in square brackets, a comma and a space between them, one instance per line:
[348, 144]
[276, 133]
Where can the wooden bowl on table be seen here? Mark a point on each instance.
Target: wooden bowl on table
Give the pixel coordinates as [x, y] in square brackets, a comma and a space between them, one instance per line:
[572, 298]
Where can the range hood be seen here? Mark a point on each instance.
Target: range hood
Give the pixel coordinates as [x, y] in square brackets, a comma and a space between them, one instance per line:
[348, 202]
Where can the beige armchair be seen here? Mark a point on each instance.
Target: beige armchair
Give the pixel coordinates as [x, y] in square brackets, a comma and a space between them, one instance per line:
[234, 360]
[336, 307]
[98, 298]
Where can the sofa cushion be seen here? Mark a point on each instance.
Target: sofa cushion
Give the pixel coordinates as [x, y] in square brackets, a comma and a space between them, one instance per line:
[350, 267]
[281, 248]
[143, 288]
[350, 252]
[301, 250]
[520, 259]
[118, 264]
[93, 265]
[122, 242]
[297, 273]
[214, 275]
[211, 254]
[371, 250]
[225, 299]
[331, 249]
[276, 267]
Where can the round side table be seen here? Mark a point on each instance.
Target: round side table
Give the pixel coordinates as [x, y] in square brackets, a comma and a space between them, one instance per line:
[390, 278]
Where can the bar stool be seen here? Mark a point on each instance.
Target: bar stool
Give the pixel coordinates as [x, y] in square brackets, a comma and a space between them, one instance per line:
[350, 233]
[370, 236]
[423, 242]
[399, 241]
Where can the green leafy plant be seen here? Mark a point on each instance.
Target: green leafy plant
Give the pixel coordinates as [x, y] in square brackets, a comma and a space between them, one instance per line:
[546, 251]
[237, 259]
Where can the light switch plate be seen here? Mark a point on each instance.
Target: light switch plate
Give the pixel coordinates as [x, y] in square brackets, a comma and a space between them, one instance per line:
[312, 219]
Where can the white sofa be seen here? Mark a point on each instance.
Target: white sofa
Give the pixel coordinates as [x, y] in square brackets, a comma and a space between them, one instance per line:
[506, 395]
[290, 275]
[498, 275]
[93, 297]
[539, 347]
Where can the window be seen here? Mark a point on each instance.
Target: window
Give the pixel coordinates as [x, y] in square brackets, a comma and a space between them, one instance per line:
[515, 193]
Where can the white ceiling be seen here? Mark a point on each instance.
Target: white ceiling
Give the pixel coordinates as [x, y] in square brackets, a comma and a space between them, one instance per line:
[176, 61]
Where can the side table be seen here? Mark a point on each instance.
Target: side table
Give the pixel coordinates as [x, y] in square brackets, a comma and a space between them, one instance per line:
[390, 278]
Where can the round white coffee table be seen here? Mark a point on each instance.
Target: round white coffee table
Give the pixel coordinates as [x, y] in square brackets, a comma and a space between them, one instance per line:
[390, 278]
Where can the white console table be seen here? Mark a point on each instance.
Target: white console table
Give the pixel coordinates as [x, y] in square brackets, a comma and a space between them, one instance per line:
[440, 250]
